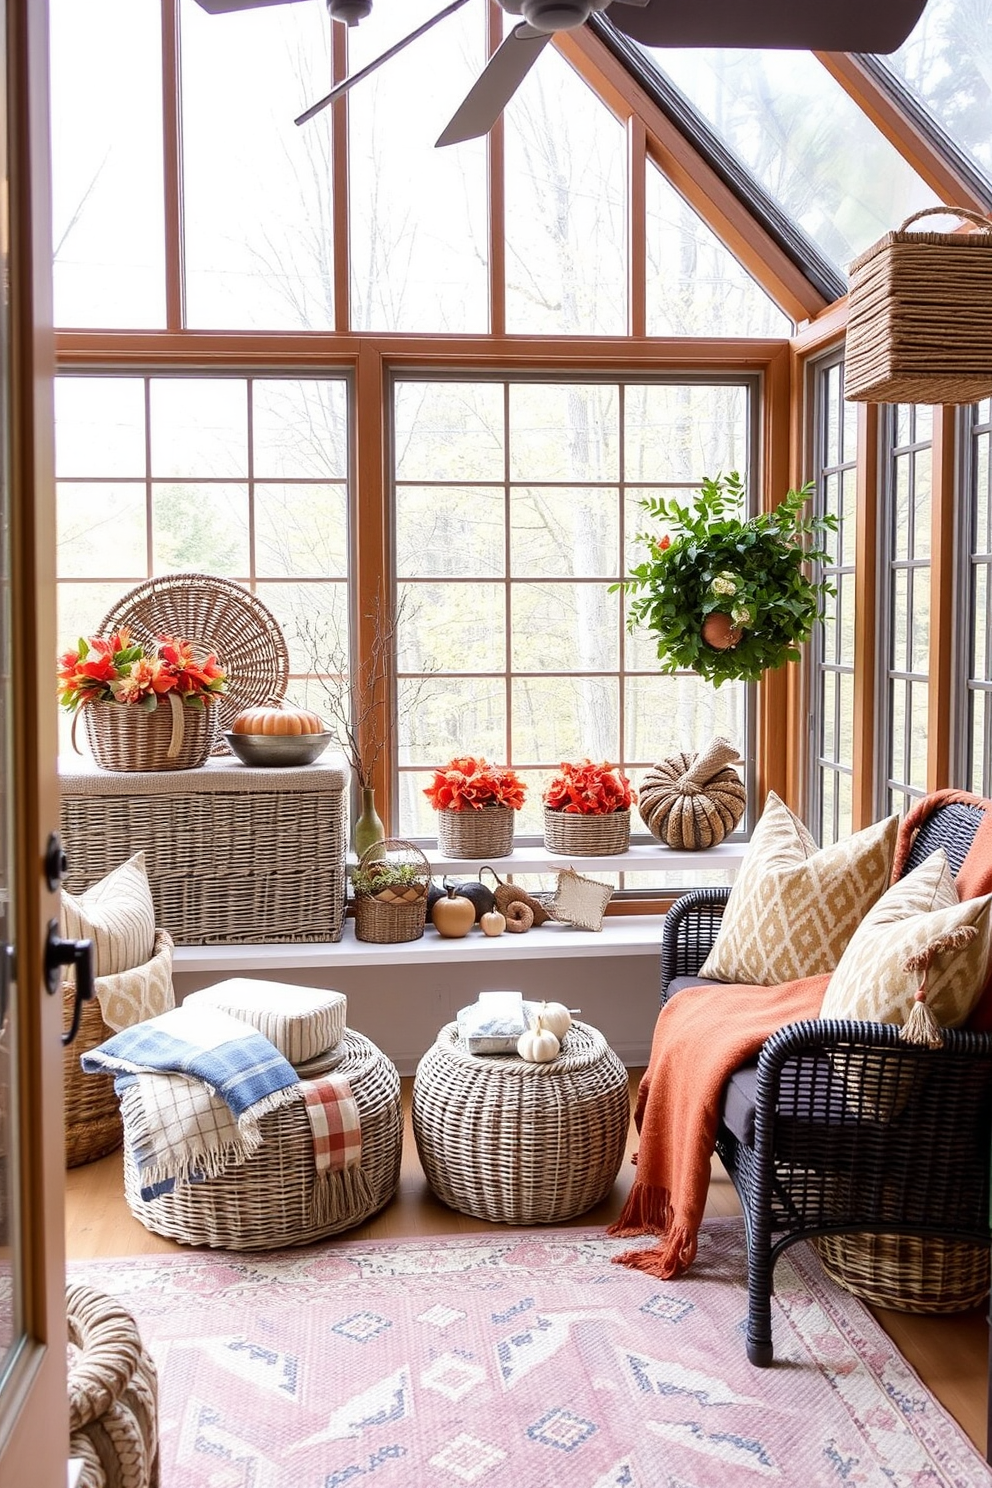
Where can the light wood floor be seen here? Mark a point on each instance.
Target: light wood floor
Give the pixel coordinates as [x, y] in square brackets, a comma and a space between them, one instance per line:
[950, 1354]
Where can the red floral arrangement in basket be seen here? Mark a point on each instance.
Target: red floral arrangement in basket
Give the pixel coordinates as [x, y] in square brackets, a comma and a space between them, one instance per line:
[117, 669]
[585, 789]
[470, 784]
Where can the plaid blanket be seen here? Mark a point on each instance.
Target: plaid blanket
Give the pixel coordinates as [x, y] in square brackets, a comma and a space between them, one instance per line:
[193, 1084]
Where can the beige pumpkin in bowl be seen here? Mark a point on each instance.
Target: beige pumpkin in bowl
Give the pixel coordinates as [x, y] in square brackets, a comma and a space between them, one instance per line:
[278, 736]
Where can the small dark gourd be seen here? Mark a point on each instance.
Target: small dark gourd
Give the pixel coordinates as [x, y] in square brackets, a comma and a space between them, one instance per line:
[453, 915]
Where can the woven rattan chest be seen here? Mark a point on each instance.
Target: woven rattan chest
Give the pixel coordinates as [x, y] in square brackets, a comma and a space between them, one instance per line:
[234, 855]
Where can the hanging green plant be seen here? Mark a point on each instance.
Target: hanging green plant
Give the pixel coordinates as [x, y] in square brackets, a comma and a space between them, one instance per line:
[729, 596]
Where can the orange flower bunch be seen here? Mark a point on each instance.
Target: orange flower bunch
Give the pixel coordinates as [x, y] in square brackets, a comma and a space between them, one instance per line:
[117, 669]
[585, 789]
[471, 784]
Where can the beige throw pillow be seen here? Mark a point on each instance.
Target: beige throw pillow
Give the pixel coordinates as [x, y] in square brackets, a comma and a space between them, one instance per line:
[118, 915]
[916, 918]
[794, 907]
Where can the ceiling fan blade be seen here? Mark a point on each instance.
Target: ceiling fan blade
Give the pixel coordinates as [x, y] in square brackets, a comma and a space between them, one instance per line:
[489, 96]
[363, 72]
[221, 7]
[813, 25]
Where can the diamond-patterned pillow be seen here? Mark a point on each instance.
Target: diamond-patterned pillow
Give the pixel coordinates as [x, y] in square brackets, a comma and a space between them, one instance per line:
[794, 907]
[915, 920]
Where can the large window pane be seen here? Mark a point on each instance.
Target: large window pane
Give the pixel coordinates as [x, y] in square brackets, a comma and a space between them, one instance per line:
[566, 266]
[947, 63]
[419, 215]
[258, 223]
[107, 196]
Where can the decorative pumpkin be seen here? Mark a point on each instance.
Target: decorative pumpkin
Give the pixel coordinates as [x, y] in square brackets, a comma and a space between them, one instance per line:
[454, 915]
[692, 801]
[538, 1044]
[277, 721]
[519, 916]
[556, 1017]
[492, 922]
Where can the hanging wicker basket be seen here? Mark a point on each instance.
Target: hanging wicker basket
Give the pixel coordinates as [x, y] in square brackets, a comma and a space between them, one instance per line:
[919, 319]
[691, 801]
[486, 833]
[127, 737]
[578, 836]
[391, 884]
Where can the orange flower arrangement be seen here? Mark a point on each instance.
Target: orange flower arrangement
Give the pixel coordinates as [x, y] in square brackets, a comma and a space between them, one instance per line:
[470, 784]
[117, 669]
[585, 789]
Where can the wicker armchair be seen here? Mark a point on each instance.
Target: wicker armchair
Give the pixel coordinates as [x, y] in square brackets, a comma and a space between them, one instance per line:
[843, 1130]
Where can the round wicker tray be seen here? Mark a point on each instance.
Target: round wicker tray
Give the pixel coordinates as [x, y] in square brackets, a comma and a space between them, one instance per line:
[908, 1273]
[216, 615]
[486, 833]
[267, 1202]
[521, 1143]
[113, 1394]
[586, 836]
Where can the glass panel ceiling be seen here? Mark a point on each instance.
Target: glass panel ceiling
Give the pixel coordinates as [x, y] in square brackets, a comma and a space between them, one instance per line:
[810, 147]
[947, 64]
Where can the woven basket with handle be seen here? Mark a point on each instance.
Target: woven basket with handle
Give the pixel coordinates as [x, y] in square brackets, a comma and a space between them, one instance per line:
[691, 801]
[919, 321]
[125, 736]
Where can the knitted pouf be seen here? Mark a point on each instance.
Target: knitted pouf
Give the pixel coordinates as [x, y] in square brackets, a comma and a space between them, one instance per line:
[113, 1394]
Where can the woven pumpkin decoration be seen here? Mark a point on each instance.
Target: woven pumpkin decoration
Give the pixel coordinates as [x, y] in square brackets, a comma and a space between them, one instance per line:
[692, 801]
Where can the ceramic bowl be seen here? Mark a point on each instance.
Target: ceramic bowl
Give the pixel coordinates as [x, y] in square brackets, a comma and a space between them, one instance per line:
[278, 749]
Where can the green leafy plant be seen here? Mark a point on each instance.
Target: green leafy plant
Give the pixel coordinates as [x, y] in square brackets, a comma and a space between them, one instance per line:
[751, 573]
[379, 875]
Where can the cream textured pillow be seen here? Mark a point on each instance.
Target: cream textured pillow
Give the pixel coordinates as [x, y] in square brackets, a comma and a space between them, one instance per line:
[118, 915]
[917, 913]
[793, 907]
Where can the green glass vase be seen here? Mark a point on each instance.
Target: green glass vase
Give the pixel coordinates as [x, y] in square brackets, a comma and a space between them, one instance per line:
[368, 827]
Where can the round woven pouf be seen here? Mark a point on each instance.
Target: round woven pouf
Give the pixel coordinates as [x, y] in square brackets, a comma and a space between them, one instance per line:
[113, 1394]
[269, 1201]
[521, 1143]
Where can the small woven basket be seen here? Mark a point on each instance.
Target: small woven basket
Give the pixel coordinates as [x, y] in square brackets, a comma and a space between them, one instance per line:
[486, 833]
[92, 1113]
[580, 836]
[691, 801]
[113, 1394]
[919, 320]
[518, 1143]
[396, 911]
[127, 737]
[908, 1273]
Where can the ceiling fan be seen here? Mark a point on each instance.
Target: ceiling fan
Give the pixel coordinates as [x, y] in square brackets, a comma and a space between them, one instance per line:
[814, 25]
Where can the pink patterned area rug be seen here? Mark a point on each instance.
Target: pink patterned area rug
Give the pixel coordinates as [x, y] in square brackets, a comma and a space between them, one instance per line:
[522, 1360]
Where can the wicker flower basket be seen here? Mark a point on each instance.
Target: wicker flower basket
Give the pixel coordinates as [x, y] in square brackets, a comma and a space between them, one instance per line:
[168, 737]
[908, 1273]
[486, 833]
[398, 910]
[919, 323]
[578, 836]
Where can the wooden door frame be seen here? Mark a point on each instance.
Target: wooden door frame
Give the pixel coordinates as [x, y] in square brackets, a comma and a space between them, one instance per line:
[34, 1426]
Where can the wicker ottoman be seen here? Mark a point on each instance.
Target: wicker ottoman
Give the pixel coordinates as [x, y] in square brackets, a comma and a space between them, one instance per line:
[521, 1143]
[268, 1202]
[113, 1394]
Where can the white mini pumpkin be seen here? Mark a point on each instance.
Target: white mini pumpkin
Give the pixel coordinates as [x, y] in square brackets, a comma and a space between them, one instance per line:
[537, 1044]
[556, 1017]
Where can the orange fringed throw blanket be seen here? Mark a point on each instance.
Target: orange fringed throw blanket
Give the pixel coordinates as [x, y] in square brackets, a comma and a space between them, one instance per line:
[700, 1038]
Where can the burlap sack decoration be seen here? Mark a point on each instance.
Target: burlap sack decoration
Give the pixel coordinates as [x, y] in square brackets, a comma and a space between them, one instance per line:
[692, 801]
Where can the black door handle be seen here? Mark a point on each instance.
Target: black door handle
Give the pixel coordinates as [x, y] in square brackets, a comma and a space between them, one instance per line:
[75, 953]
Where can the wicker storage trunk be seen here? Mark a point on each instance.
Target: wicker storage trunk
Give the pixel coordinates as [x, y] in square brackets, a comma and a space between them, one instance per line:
[919, 323]
[234, 855]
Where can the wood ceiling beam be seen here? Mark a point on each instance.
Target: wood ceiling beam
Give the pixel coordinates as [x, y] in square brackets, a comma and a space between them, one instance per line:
[693, 177]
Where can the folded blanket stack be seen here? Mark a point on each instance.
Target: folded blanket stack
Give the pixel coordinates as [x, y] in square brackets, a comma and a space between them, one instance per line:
[194, 1083]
